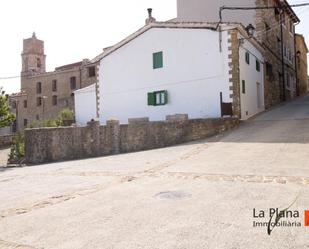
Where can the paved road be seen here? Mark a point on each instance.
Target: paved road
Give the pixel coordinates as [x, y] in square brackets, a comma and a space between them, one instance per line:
[197, 195]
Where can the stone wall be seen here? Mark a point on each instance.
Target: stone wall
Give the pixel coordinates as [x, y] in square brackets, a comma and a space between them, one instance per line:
[234, 72]
[68, 143]
[6, 140]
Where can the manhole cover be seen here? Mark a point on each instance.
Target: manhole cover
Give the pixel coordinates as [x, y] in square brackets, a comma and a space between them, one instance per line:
[172, 195]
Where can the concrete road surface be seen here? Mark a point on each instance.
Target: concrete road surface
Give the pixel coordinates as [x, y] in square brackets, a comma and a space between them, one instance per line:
[197, 195]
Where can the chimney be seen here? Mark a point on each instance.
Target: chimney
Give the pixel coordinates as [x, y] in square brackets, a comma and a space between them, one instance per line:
[150, 18]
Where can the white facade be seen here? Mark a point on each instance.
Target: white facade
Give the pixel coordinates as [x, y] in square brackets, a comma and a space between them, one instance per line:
[85, 105]
[252, 97]
[194, 73]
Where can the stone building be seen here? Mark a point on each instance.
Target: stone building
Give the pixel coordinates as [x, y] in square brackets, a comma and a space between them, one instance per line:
[44, 94]
[275, 27]
[301, 64]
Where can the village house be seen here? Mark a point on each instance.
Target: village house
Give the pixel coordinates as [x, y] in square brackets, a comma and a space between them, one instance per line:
[168, 68]
[301, 64]
[275, 29]
[44, 94]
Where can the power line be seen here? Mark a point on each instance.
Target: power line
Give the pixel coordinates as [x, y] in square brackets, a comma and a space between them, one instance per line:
[10, 77]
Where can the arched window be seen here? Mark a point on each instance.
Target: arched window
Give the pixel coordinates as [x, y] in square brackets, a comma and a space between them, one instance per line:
[38, 62]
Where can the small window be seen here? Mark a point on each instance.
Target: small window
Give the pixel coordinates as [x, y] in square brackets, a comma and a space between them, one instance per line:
[284, 51]
[38, 62]
[288, 80]
[37, 117]
[243, 87]
[91, 72]
[157, 60]
[158, 98]
[55, 100]
[258, 66]
[247, 58]
[269, 69]
[25, 122]
[277, 14]
[39, 88]
[39, 101]
[25, 103]
[291, 27]
[54, 85]
[73, 83]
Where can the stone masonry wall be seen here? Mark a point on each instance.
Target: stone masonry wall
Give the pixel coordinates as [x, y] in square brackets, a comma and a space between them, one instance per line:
[234, 71]
[6, 140]
[58, 144]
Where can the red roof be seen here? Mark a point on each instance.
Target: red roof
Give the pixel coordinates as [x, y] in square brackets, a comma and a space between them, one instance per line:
[20, 94]
[69, 66]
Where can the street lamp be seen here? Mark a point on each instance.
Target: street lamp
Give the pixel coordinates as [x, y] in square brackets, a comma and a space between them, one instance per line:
[250, 30]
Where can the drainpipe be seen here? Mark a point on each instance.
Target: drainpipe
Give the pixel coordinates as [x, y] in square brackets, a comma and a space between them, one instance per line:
[295, 64]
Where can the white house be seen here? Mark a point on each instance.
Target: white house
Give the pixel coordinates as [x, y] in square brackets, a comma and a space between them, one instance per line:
[169, 68]
[85, 104]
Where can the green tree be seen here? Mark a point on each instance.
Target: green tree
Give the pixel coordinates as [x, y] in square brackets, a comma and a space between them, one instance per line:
[6, 116]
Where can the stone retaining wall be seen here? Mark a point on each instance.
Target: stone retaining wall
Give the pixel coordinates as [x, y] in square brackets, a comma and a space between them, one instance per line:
[6, 140]
[67, 143]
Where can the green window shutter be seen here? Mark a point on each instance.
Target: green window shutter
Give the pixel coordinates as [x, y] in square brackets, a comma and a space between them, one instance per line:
[243, 87]
[157, 60]
[247, 58]
[258, 66]
[151, 99]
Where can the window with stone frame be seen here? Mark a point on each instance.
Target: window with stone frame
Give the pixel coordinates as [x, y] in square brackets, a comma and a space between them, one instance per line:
[91, 72]
[279, 45]
[288, 80]
[38, 62]
[39, 88]
[277, 14]
[73, 83]
[55, 100]
[267, 29]
[283, 19]
[291, 26]
[25, 122]
[54, 85]
[39, 101]
[25, 103]
[269, 70]
[298, 59]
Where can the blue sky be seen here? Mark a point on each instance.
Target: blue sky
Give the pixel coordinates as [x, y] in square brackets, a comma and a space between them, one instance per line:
[78, 29]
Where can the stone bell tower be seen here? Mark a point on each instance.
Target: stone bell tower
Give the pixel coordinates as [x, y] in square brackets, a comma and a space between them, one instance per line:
[33, 57]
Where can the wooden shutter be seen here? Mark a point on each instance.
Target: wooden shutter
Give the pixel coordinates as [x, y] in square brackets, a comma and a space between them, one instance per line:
[258, 66]
[247, 58]
[243, 87]
[165, 97]
[157, 60]
[151, 99]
